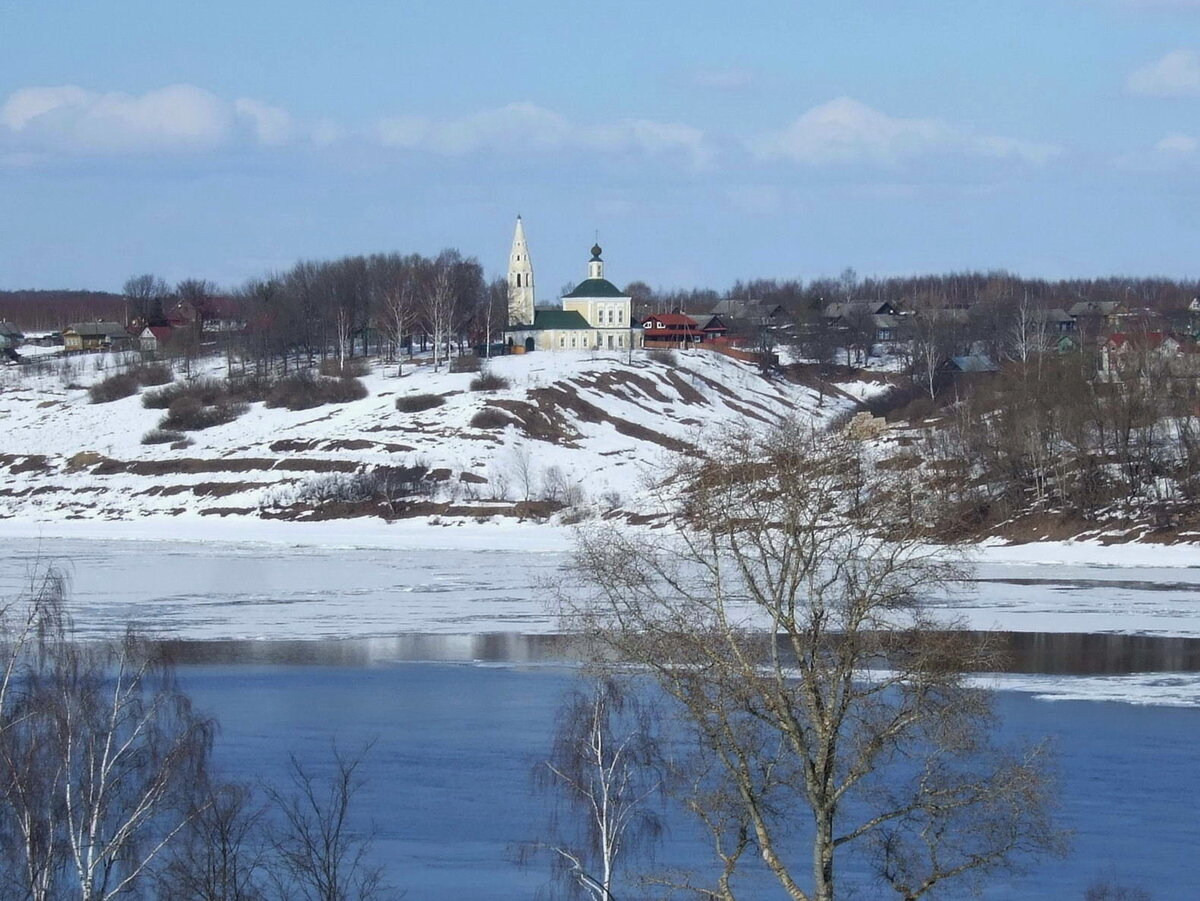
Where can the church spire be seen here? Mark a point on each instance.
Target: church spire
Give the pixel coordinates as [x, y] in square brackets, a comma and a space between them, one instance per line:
[520, 280]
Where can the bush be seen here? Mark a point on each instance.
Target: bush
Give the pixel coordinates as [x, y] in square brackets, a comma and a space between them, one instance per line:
[343, 391]
[666, 357]
[416, 403]
[488, 381]
[490, 418]
[350, 368]
[387, 484]
[189, 414]
[154, 374]
[465, 363]
[303, 391]
[162, 436]
[206, 391]
[250, 388]
[123, 384]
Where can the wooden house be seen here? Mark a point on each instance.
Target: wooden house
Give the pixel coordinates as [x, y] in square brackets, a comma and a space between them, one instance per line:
[99, 335]
[671, 330]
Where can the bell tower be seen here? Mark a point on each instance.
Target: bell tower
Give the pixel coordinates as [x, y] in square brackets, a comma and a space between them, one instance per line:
[520, 280]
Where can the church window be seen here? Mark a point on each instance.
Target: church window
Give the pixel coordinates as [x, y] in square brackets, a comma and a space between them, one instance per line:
[562, 341]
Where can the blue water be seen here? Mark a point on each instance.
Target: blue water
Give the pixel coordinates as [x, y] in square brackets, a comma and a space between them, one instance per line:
[449, 791]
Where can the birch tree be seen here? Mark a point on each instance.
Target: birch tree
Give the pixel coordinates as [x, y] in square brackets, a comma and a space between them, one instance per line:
[783, 610]
[605, 769]
[438, 310]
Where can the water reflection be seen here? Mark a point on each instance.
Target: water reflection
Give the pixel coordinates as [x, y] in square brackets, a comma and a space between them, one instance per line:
[1060, 653]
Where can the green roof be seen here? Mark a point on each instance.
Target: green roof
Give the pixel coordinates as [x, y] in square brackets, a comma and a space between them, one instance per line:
[543, 319]
[596, 287]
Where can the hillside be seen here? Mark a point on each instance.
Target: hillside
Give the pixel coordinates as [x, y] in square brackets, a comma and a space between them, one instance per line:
[571, 430]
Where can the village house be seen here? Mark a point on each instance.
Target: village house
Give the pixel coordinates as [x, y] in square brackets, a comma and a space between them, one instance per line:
[714, 329]
[881, 317]
[1139, 353]
[671, 330]
[155, 338]
[10, 339]
[99, 335]
[210, 316]
[1056, 321]
[1096, 317]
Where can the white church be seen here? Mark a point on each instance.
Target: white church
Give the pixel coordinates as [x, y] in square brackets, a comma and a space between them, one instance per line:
[595, 315]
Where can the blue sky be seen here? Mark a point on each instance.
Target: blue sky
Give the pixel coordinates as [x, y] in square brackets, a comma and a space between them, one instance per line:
[704, 142]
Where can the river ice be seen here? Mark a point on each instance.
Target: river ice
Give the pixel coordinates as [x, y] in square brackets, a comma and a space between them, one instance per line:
[200, 581]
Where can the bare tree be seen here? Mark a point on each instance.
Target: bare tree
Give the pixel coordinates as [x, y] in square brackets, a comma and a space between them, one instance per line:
[320, 856]
[222, 855]
[605, 767]
[400, 316]
[438, 311]
[131, 750]
[100, 755]
[783, 612]
[145, 295]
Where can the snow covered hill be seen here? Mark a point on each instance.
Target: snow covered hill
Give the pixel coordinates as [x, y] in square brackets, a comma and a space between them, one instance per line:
[575, 426]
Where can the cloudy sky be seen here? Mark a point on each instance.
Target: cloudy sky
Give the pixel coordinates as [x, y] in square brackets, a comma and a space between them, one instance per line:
[703, 142]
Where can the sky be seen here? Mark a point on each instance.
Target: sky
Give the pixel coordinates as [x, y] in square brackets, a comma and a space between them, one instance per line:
[701, 142]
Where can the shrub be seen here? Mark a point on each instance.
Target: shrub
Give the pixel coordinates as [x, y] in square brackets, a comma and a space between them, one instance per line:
[488, 381]
[465, 363]
[666, 357]
[387, 484]
[490, 418]
[350, 368]
[303, 392]
[206, 391]
[250, 388]
[154, 374]
[188, 414]
[416, 403]
[343, 391]
[123, 384]
[296, 392]
[162, 436]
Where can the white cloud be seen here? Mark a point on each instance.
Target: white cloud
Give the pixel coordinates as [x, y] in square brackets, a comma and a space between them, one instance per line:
[1175, 75]
[272, 126]
[526, 127]
[847, 131]
[1177, 144]
[182, 117]
[326, 132]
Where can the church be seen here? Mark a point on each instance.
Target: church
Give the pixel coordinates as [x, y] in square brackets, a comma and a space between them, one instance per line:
[594, 316]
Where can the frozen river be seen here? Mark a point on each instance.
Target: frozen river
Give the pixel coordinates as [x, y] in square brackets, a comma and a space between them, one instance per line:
[497, 582]
[293, 643]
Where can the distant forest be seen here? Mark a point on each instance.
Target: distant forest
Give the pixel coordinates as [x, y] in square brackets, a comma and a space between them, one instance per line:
[51, 310]
[955, 289]
[41, 310]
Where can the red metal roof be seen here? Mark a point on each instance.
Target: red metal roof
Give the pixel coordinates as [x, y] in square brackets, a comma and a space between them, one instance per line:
[678, 320]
